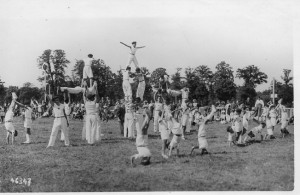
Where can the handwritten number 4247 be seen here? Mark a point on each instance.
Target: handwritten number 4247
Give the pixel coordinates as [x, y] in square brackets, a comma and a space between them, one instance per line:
[21, 181]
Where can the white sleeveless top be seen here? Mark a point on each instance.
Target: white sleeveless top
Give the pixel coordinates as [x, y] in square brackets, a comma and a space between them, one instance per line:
[88, 61]
[58, 110]
[90, 107]
[133, 50]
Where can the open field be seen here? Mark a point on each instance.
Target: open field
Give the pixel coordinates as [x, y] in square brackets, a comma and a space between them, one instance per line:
[106, 167]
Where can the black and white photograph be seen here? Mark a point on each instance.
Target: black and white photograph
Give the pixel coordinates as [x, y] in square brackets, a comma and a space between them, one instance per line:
[147, 96]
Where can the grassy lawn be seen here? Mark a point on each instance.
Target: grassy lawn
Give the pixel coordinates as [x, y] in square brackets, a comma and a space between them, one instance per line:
[106, 166]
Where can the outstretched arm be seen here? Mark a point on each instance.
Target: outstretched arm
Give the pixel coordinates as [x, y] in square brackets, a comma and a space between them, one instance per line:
[213, 110]
[125, 44]
[140, 47]
[21, 105]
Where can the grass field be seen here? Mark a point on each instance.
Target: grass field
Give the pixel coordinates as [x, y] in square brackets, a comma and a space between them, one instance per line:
[106, 166]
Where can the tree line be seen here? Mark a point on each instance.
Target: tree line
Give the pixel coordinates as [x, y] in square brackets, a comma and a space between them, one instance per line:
[205, 85]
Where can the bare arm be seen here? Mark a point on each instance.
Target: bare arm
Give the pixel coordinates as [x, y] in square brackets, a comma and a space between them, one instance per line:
[66, 117]
[125, 44]
[140, 47]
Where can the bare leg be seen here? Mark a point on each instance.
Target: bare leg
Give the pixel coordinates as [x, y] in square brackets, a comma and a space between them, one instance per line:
[164, 146]
[183, 128]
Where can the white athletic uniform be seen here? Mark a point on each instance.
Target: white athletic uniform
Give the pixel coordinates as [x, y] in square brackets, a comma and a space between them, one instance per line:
[157, 107]
[91, 121]
[269, 126]
[185, 96]
[126, 85]
[132, 57]
[185, 115]
[141, 87]
[177, 131]
[28, 119]
[138, 117]
[77, 90]
[246, 118]
[60, 122]
[284, 120]
[168, 115]
[8, 121]
[163, 129]
[128, 121]
[202, 132]
[142, 141]
[273, 117]
[87, 70]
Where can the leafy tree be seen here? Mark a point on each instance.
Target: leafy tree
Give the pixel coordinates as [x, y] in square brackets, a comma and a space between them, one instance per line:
[2, 92]
[28, 91]
[285, 90]
[252, 76]
[56, 63]
[176, 84]
[9, 90]
[224, 87]
[203, 72]
[286, 77]
[156, 74]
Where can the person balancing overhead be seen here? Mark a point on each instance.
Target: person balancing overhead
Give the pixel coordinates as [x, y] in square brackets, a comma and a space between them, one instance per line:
[132, 57]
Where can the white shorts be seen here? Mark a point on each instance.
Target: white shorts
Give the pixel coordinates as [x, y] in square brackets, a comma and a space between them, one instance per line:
[9, 127]
[273, 121]
[87, 72]
[269, 131]
[184, 120]
[175, 141]
[202, 142]
[164, 134]
[143, 151]
[27, 123]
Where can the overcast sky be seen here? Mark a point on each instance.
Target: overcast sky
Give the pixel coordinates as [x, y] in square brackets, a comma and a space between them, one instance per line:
[175, 33]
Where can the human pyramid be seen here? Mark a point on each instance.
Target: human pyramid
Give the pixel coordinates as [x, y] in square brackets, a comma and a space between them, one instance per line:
[168, 118]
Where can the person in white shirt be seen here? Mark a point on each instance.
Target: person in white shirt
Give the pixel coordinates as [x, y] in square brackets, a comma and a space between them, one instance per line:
[129, 120]
[185, 116]
[132, 56]
[60, 121]
[158, 106]
[256, 130]
[203, 145]
[142, 139]
[164, 133]
[91, 117]
[259, 104]
[141, 87]
[87, 70]
[9, 115]
[185, 95]
[177, 133]
[27, 119]
[284, 122]
[67, 104]
[126, 84]
[238, 125]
